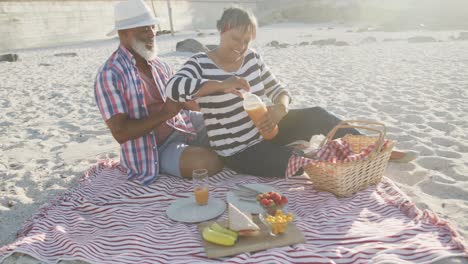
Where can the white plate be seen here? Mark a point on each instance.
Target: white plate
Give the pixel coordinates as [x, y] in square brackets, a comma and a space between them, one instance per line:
[188, 211]
[247, 206]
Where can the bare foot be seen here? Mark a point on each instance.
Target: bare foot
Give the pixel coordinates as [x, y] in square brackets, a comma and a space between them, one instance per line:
[397, 155]
[403, 157]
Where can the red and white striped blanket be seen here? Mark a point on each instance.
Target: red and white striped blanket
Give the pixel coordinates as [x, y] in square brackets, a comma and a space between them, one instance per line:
[107, 219]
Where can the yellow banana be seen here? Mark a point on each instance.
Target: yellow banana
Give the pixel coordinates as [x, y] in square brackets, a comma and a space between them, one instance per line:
[218, 228]
[217, 237]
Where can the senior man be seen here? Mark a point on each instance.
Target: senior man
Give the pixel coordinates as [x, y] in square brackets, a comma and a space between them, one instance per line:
[155, 134]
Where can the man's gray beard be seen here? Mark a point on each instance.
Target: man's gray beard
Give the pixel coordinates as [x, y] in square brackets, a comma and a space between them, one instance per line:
[140, 48]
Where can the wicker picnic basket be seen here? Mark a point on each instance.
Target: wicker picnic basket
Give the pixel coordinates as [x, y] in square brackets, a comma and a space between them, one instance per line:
[345, 179]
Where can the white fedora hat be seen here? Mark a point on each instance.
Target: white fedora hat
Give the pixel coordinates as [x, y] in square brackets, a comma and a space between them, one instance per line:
[132, 14]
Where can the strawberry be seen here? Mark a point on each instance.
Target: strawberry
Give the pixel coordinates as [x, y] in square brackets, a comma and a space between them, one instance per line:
[259, 197]
[278, 200]
[284, 200]
[273, 196]
[265, 202]
[271, 204]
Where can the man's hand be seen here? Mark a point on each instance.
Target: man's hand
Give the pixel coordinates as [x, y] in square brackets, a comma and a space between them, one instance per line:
[234, 85]
[171, 108]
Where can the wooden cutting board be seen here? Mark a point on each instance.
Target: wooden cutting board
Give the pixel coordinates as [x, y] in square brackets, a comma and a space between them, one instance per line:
[251, 244]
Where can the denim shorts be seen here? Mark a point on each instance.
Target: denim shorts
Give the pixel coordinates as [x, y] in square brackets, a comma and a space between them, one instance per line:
[171, 150]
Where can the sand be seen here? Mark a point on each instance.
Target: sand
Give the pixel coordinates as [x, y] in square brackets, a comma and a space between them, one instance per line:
[52, 130]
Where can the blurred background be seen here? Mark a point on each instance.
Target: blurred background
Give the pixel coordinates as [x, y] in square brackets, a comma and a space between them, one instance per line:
[45, 23]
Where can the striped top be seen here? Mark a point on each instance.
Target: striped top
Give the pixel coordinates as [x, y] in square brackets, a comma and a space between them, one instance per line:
[229, 128]
[118, 88]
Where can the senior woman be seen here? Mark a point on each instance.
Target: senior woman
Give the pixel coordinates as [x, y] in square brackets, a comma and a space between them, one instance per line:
[215, 80]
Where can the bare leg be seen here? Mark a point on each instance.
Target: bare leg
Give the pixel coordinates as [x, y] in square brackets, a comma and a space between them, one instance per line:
[199, 158]
[397, 155]
[403, 157]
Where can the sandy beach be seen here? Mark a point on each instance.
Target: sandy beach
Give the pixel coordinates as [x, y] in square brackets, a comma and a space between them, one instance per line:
[52, 131]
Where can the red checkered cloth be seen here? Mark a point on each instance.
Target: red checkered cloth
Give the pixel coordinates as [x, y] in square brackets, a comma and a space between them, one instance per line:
[336, 151]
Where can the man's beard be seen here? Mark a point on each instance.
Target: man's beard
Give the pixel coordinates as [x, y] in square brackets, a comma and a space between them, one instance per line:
[140, 48]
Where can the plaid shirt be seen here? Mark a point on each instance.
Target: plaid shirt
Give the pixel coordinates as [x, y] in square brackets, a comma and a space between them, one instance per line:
[119, 89]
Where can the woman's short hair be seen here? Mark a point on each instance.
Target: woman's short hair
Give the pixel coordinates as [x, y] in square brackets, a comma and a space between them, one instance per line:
[236, 17]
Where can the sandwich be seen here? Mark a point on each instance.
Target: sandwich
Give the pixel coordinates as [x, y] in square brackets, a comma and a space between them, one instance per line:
[242, 222]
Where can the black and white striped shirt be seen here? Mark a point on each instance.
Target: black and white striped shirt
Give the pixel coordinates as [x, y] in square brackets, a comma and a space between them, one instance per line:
[229, 128]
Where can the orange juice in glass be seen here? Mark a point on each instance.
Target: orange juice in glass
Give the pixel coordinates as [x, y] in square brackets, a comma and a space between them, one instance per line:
[200, 186]
[256, 109]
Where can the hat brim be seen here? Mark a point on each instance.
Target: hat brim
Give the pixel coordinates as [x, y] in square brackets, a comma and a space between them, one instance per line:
[154, 21]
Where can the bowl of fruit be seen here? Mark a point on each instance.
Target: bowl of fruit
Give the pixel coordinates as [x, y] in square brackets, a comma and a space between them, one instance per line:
[271, 202]
[278, 223]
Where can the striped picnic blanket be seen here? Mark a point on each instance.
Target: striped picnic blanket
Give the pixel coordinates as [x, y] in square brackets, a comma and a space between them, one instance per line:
[107, 219]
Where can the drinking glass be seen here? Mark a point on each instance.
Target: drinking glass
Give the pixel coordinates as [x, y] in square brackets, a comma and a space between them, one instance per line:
[200, 186]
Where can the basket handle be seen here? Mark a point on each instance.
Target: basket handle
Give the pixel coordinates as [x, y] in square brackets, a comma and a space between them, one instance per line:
[345, 124]
[365, 122]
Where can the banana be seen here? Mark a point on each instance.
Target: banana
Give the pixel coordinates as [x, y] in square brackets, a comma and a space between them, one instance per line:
[217, 237]
[218, 228]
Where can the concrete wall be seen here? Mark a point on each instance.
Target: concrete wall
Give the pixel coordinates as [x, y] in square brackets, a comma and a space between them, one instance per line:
[28, 24]
[32, 23]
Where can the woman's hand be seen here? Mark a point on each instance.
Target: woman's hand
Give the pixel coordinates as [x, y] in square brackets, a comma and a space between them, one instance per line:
[277, 112]
[272, 118]
[234, 85]
[171, 108]
[192, 106]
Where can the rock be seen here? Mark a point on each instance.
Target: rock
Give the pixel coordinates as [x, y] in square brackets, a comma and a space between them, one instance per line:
[304, 43]
[66, 54]
[368, 29]
[201, 34]
[349, 31]
[369, 40]
[278, 45]
[273, 43]
[211, 46]
[463, 36]
[324, 42]
[421, 39]
[11, 203]
[11, 57]
[163, 32]
[190, 45]
[44, 64]
[341, 43]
